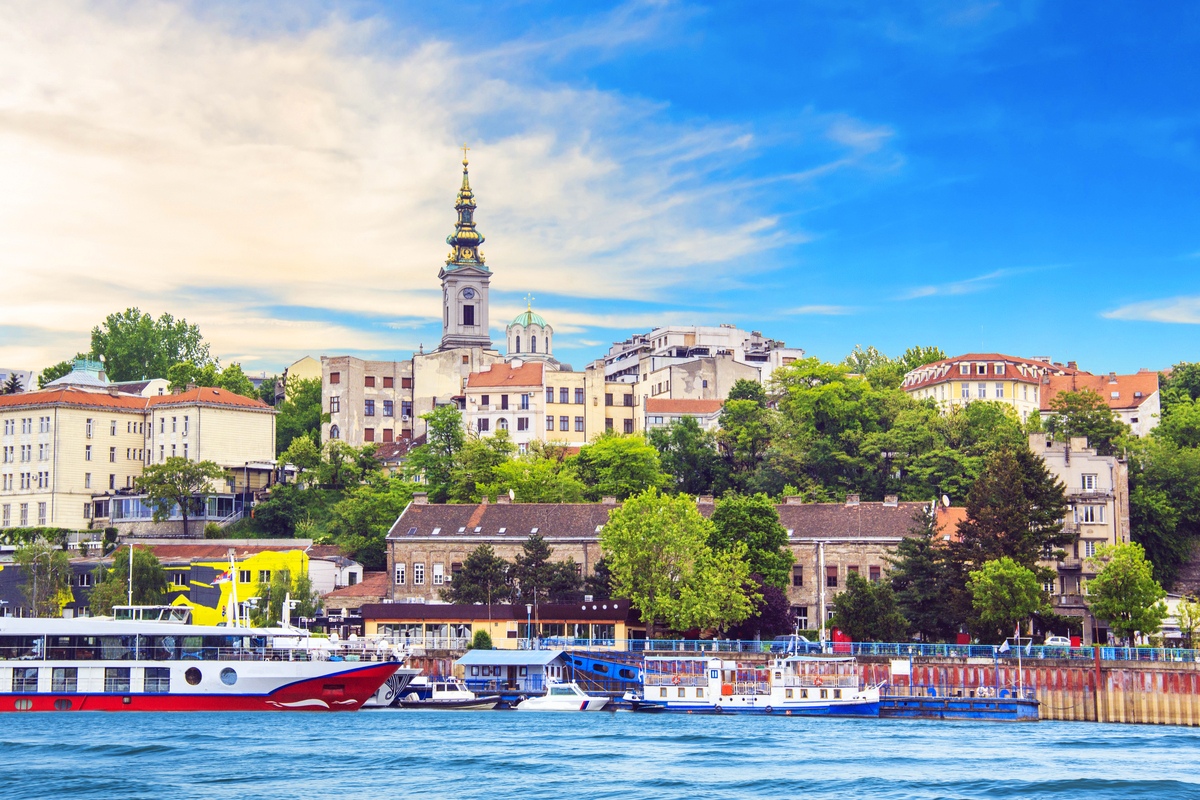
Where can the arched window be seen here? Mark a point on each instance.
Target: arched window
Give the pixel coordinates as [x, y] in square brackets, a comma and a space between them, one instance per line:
[502, 424]
[533, 344]
[518, 343]
[334, 433]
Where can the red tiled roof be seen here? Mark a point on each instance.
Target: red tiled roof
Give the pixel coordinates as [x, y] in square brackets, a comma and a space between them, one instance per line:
[502, 375]
[209, 396]
[129, 402]
[668, 406]
[324, 551]
[1126, 386]
[373, 584]
[210, 552]
[948, 372]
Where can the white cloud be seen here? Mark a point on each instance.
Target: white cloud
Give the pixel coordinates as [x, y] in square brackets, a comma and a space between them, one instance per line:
[822, 310]
[1183, 310]
[979, 283]
[154, 156]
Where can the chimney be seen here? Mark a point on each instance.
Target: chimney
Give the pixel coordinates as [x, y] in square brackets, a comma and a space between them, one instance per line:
[1072, 365]
[420, 498]
[483, 501]
[502, 499]
[608, 500]
[114, 391]
[851, 500]
[191, 387]
[891, 500]
[1112, 377]
[704, 500]
[794, 500]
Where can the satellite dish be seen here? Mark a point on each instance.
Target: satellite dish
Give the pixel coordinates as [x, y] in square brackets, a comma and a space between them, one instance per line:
[512, 496]
[946, 500]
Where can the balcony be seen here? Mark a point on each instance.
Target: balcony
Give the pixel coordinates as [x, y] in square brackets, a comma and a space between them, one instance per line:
[1070, 601]
[1070, 563]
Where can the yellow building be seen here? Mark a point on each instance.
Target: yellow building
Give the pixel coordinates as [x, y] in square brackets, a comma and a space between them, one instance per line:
[955, 382]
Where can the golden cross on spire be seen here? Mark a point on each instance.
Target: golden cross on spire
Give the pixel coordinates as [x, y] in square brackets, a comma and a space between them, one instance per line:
[529, 302]
[464, 148]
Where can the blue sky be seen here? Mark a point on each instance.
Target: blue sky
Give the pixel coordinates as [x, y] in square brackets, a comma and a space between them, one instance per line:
[1013, 177]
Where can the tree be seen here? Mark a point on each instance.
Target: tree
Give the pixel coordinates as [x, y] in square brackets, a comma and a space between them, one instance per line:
[47, 571]
[482, 640]
[1085, 413]
[1181, 424]
[1003, 594]
[1188, 618]
[434, 461]
[12, 385]
[919, 356]
[299, 413]
[743, 437]
[56, 371]
[1182, 382]
[278, 514]
[111, 584]
[616, 465]
[303, 454]
[184, 374]
[136, 346]
[1124, 593]
[534, 478]
[754, 521]
[359, 522]
[537, 579]
[656, 549]
[175, 483]
[689, 455]
[483, 579]
[745, 389]
[339, 467]
[919, 577]
[772, 615]
[233, 379]
[599, 583]
[475, 466]
[866, 611]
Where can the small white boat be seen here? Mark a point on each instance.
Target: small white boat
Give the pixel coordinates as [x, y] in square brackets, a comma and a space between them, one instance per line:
[447, 694]
[563, 697]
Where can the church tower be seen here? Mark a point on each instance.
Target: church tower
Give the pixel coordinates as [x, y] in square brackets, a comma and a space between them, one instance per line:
[465, 278]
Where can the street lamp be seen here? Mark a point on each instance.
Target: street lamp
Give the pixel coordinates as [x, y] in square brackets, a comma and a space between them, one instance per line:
[528, 623]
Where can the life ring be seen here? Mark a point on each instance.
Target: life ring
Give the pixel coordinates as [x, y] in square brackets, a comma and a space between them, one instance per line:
[676, 680]
[717, 709]
[770, 710]
[817, 682]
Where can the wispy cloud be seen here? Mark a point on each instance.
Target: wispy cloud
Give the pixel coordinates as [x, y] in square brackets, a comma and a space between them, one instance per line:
[822, 310]
[979, 283]
[1182, 310]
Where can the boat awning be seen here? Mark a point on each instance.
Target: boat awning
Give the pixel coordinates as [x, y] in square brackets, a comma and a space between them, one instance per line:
[508, 658]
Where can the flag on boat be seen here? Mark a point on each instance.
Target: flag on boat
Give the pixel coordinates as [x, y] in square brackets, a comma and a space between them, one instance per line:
[1004, 648]
[224, 577]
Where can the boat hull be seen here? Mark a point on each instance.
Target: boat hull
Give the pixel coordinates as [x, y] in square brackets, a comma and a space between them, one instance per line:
[554, 704]
[478, 704]
[863, 709]
[340, 690]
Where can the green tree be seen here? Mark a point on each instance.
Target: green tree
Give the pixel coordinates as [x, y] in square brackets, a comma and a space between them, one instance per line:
[433, 462]
[919, 576]
[483, 579]
[689, 455]
[136, 346]
[772, 615]
[233, 379]
[1164, 501]
[743, 437]
[47, 573]
[12, 385]
[599, 583]
[1188, 618]
[866, 611]
[184, 374]
[1181, 424]
[111, 584]
[303, 454]
[299, 413]
[1085, 413]
[1124, 593]
[1181, 383]
[656, 550]
[919, 356]
[339, 466]
[745, 389]
[537, 579]
[177, 483]
[475, 466]
[1003, 593]
[278, 514]
[482, 640]
[753, 521]
[359, 522]
[284, 588]
[534, 478]
[619, 466]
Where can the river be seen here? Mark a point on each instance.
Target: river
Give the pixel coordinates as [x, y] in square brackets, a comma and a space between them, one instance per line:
[428, 755]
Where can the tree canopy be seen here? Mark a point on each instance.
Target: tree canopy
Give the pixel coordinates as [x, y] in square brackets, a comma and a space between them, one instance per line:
[752, 521]
[136, 346]
[1003, 594]
[619, 465]
[867, 612]
[1124, 593]
[1085, 413]
[111, 584]
[177, 483]
[47, 577]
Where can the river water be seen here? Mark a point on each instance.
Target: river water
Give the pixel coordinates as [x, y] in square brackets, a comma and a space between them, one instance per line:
[492, 754]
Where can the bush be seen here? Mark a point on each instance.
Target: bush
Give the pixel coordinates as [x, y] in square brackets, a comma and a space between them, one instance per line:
[213, 531]
[481, 641]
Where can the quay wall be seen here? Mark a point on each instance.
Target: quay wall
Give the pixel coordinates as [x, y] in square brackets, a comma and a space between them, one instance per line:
[1159, 693]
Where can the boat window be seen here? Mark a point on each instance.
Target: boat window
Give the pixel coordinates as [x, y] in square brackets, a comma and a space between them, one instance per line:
[662, 692]
[65, 680]
[116, 680]
[228, 676]
[24, 680]
[62, 705]
[559, 691]
[192, 676]
[700, 692]
[158, 680]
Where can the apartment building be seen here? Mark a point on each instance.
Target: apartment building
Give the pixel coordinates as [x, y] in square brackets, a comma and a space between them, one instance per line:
[367, 401]
[1133, 398]
[954, 382]
[658, 412]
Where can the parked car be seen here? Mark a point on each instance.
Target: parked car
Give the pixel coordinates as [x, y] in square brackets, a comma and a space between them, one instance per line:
[794, 643]
[1057, 641]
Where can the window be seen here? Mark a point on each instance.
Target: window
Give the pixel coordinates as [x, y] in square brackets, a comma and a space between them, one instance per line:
[466, 359]
[564, 423]
[243, 576]
[608, 423]
[334, 433]
[522, 423]
[179, 578]
[24, 680]
[158, 680]
[802, 616]
[579, 424]
[1090, 514]
[161, 452]
[549, 394]
[87, 453]
[831, 577]
[704, 384]
[406, 409]
[1000, 391]
[112, 454]
[628, 426]
[369, 408]
[87, 480]
[335, 377]
[64, 680]
[982, 389]
[797, 576]
[484, 424]
[564, 395]
[579, 397]
[533, 344]
[112, 428]
[389, 383]
[608, 399]
[387, 434]
[368, 434]
[876, 573]
[264, 576]
[485, 400]
[1089, 549]
[964, 369]
[439, 574]
[966, 391]
[418, 574]
[369, 381]
[185, 451]
[524, 404]
[406, 383]
[116, 680]
[42, 514]
[389, 406]
[468, 315]
[853, 568]
[399, 574]
[112, 482]
[504, 402]
[1089, 483]
[629, 400]
[6, 514]
[162, 424]
[174, 424]
[24, 515]
[549, 422]
[502, 424]
[185, 426]
[518, 347]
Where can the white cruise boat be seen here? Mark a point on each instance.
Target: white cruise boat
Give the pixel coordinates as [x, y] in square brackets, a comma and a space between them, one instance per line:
[151, 659]
[795, 685]
[446, 694]
[563, 697]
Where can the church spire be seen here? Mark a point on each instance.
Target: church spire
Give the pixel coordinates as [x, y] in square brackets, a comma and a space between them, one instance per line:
[464, 242]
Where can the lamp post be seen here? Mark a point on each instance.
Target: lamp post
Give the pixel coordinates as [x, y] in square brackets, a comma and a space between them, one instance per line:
[528, 623]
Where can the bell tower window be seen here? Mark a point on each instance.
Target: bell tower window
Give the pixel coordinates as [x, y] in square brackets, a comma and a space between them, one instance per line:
[518, 348]
[533, 344]
[468, 315]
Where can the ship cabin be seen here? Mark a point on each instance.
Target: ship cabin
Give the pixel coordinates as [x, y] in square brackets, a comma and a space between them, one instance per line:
[511, 672]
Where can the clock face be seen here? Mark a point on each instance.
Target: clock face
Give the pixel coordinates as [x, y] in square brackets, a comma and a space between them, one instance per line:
[469, 293]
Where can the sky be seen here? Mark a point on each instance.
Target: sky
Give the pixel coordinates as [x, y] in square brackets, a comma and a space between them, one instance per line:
[980, 176]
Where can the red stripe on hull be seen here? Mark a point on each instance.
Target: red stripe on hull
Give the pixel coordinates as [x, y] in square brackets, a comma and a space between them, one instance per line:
[354, 688]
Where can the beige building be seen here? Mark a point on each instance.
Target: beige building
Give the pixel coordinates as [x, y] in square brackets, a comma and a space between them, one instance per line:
[1097, 489]
[530, 400]
[1133, 398]
[60, 448]
[367, 401]
[659, 413]
[954, 382]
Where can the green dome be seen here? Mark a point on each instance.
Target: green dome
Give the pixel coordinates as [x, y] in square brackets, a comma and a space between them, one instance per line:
[529, 318]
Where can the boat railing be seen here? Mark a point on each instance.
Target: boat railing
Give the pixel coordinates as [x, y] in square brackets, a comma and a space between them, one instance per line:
[665, 679]
[118, 653]
[821, 681]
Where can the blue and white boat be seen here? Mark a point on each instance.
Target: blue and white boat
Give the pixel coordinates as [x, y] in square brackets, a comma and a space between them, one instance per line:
[791, 686]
